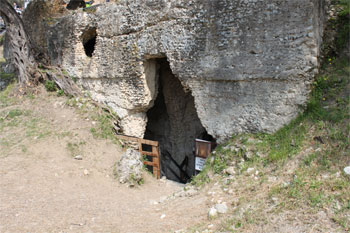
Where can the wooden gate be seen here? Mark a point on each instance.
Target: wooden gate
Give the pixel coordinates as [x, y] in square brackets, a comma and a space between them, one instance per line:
[155, 163]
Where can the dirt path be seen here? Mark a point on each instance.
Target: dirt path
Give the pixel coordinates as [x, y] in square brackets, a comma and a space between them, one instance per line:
[44, 189]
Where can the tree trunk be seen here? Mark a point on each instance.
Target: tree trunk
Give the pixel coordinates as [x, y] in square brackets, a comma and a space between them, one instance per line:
[23, 54]
[22, 58]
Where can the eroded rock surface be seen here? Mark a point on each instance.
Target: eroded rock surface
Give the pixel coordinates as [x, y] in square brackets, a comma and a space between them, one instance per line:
[129, 168]
[248, 64]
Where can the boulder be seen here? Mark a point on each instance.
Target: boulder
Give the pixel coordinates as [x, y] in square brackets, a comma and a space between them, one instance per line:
[242, 78]
[129, 168]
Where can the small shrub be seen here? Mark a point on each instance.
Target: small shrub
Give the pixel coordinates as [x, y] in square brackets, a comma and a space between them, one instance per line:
[14, 113]
[60, 93]
[50, 86]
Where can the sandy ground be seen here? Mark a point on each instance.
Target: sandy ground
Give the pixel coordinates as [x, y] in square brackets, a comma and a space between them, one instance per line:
[44, 189]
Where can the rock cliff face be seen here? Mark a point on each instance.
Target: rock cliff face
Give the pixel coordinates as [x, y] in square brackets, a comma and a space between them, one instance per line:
[244, 65]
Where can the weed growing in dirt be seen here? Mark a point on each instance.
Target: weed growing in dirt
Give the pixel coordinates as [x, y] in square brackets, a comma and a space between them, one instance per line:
[50, 85]
[60, 92]
[102, 118]
[105, 126]
[36, 128]
[73, 148]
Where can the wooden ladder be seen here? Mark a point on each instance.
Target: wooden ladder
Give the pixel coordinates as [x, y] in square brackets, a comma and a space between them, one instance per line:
[155, 163]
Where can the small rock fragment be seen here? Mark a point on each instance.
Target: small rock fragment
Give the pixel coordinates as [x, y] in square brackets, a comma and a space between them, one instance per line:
[163, 199]
[153, 202]
[179, 231]
[162, 216]
[272, 179]
[285, 184]
[347, 170]
[234, 149]
[230, 171]
[221, 208]
[250, 170]
[191, 192]
[274, 200]
[249, 155]
[78, 157]
[318, 150]
[213, 213]
[337, 175]
[86, 172]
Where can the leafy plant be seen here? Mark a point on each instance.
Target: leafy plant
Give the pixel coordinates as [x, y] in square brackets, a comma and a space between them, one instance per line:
[60, 93]
[50, 85]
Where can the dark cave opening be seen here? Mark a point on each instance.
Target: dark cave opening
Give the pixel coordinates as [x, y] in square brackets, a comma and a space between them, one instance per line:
[173, 121]
[89, 41]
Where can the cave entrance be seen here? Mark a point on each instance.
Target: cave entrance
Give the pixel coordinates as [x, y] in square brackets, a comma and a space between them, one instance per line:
[89, 41]
[173, 121]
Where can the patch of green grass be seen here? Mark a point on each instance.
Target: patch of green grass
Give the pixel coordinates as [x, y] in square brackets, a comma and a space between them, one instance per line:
[23, 148]
[308, 159]
[343, 25]
[6, 76]
[103, 118]
[34, 127]
[4, 142]
[60, 93]
[5, 96]
[12, 118]
[342, 221]
[243, 217]
[73, 148]
[104, 127]
[14, 113]
[64, 134]
[286, 142]
[50, 86]
[295, 187]
[202, 178]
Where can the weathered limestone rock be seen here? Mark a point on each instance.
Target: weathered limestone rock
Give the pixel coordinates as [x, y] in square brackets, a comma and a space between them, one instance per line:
[247, 64]
[129, 168]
